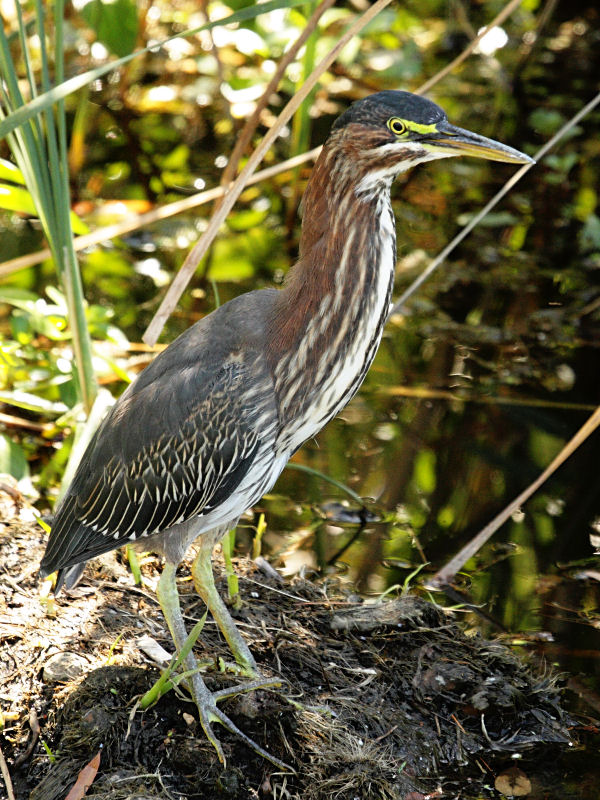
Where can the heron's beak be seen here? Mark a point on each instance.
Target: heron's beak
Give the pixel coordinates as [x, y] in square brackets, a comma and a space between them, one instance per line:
[457, 141]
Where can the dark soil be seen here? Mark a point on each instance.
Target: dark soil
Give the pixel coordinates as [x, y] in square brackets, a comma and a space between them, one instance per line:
[385, 700]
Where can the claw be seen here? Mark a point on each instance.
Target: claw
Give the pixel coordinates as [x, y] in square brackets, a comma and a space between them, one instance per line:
[209, 713]
[204, 699]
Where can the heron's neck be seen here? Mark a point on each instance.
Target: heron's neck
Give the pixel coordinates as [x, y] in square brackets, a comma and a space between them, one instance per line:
[329, 317]
[347, 241]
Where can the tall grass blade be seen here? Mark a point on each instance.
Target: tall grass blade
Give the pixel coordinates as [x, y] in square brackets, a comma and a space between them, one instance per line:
[39, 147]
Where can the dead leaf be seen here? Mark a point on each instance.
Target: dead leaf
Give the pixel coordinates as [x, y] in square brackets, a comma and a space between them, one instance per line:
[513, 783]
[85, 779]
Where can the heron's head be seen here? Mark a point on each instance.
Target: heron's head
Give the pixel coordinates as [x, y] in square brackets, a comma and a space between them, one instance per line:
[389, 132]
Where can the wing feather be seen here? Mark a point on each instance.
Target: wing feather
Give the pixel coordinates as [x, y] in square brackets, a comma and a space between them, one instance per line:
[178, 439]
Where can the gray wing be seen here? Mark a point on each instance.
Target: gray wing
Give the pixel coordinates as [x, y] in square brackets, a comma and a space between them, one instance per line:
[176, 444]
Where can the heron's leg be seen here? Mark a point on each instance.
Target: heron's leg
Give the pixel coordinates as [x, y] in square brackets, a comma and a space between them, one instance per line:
[205, 700]
[204, 582]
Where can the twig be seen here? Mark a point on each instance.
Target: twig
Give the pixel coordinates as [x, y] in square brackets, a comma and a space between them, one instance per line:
[425, 393]
[445, 575]
[136, 221]
[279, 591]
[385, 735]
[199, 250]
[457, 723]
[493, 202]
[498, 20]
[6, 777]
[243, 139]
[19, 422]
[35, 732]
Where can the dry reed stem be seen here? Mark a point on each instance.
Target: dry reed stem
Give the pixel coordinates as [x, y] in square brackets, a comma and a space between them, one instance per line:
[245, 135]
[136, 221]
[445, 575]
[6, 777]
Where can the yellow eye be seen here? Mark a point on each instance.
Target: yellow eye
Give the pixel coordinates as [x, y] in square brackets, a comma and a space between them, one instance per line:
[397, 126]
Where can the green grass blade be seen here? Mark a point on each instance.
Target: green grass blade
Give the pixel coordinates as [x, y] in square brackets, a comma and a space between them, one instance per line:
[233, 586]
[164, 683]
[328, 479]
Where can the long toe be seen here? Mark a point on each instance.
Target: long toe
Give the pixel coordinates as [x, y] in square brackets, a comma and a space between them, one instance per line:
[210, 713]
[249, 686]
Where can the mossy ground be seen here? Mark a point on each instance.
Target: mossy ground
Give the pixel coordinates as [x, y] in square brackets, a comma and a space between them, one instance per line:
[387, 700]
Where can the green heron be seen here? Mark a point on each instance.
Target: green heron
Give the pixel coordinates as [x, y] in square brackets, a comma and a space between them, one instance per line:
[205, 430]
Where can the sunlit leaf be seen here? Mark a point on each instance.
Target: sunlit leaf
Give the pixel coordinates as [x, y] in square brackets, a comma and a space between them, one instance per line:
[243, 220]
[425, 471]
[20, 328]
[10, 172]
[177, 159]
[114, 23]
[15, 296]
[31, 402]
[446, 517]
[15, 198]
[586, 203]
[12, 458]
[517, 237]
[57, 298]
[231, 261]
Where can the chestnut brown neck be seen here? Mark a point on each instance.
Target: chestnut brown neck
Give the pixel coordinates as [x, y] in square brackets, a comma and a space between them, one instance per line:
[328, 319]
[334, 213]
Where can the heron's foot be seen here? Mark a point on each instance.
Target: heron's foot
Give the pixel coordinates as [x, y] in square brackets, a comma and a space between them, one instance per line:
[209, 711]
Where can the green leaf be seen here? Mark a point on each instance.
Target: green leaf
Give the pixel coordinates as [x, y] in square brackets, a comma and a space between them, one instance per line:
[589, 236]
[425, 471]
[15, 198]
[46, 319]
[77, 225]
[586, 202]
[500, 219]
[15, 296]
[10, 172]
[20, 329]
[248, 218]
[12, 458]
[114, 23]
[546, 121]
[31, 402]
[231, 261]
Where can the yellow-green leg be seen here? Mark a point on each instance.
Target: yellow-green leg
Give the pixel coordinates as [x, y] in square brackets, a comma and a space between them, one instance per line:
[206, 701]
[204, 582]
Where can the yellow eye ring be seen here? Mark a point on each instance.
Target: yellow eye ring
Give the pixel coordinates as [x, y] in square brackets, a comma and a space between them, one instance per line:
[397, 126]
